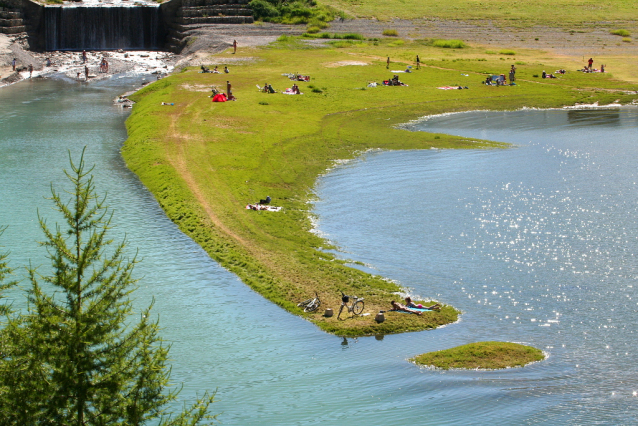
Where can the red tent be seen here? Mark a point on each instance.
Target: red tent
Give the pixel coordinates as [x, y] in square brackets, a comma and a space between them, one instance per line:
[220, 97]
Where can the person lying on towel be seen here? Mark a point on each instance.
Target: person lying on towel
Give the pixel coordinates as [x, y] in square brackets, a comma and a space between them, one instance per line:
[410, 304]
[399, 307]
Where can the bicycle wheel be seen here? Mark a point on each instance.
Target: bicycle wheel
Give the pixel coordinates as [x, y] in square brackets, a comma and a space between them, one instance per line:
[358, 307]
[313, 306]
[304, 303]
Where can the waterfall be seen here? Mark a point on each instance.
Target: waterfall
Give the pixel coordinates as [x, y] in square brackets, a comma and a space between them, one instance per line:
[102, 28]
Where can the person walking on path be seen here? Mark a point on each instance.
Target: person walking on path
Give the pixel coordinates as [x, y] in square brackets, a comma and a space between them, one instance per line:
[388, 63]
[234, 46]
[14, 63]
[418, 62]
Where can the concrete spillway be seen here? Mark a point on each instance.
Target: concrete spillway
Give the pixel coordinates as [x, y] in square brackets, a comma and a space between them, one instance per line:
[102, 28]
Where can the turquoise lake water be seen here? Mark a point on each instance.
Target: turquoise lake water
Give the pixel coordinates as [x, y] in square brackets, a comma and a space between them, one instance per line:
[535, 244]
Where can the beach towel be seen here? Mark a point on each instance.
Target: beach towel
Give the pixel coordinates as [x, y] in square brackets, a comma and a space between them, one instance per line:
[416, 309]
[260, 207]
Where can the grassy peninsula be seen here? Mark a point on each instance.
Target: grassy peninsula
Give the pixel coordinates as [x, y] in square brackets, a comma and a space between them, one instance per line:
[205, 161]
[481, 355]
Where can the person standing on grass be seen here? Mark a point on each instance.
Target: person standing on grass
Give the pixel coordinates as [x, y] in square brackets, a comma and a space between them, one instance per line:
[388, 63]
[234, 46]
[512, 74]
[418, 62]
[590, 62]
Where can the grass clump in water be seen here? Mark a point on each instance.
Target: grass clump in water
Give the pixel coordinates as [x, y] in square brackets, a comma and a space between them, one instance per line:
[481, 355]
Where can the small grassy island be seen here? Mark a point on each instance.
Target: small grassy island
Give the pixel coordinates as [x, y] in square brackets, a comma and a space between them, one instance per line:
[481, 355]
[204, 162]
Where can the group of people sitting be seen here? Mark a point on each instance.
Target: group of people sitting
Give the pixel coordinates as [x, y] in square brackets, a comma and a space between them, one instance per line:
[206, 70]
[267, 88]
[497, 80]
[413, 308]
[592, 69]
[299, 77]
[394, 81]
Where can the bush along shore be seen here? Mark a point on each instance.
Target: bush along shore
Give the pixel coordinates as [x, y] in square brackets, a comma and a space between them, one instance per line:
[204, 161]
[481, 355]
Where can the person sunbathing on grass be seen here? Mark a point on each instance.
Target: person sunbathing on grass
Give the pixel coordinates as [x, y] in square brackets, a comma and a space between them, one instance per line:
[410, 304]
[399, 307]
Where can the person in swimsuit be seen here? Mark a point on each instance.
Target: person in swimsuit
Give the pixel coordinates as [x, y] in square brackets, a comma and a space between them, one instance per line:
[410, 304]
[399, 307]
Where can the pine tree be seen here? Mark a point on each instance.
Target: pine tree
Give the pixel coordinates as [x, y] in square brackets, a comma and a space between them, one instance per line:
[75, 361]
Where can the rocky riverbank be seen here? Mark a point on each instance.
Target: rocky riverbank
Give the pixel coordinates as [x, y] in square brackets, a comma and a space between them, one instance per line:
[71, 64]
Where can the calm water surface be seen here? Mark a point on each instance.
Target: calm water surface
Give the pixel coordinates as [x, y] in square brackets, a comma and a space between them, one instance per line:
[535, 244]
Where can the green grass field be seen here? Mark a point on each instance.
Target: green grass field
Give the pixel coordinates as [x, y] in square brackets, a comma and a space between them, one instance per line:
[205, 161]
[555, 13]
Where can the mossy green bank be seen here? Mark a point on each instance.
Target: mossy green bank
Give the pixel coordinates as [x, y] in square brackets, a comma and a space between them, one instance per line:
[481, 355]
[205, 161]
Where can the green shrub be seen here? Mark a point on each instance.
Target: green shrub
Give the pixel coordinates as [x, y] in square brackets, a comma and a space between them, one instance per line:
[626, 39]
[324, 35]
[353, 36]
[293, 12]
[313, 29]
[396, 43]
[344, 43]
[449, 44]
[284, 38]
[620, 32]
[390, 33]
[263, 10]
[507, 52]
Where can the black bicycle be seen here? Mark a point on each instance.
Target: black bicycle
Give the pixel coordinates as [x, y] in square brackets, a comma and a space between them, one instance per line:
[356, 307]
[310, 305]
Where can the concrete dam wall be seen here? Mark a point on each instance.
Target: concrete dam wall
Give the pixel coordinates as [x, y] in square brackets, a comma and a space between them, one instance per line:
[103, 28]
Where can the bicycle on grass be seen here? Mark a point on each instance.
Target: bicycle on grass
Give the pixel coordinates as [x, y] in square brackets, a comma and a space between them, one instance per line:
[310, 305]
[356, 307]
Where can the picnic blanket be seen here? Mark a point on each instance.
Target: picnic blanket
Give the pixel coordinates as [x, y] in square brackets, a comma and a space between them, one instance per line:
[262, 207]
[290, 92]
